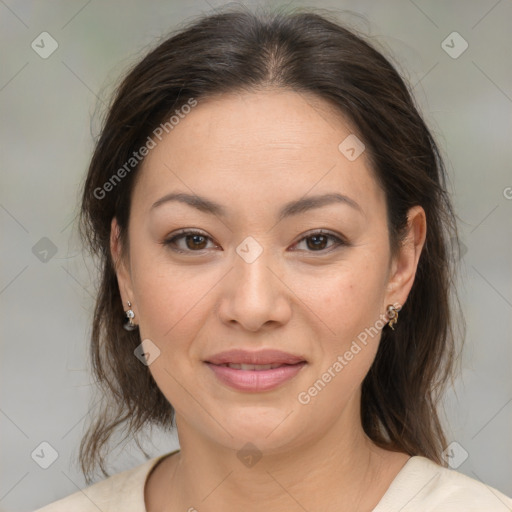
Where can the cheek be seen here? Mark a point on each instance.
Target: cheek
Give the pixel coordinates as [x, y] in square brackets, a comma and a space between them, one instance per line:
[351, 323]
[349, 309]
[167, 301]
[170, 310]
[348, 300]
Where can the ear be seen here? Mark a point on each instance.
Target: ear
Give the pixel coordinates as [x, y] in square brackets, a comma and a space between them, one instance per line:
[121, 266]
[405, 264]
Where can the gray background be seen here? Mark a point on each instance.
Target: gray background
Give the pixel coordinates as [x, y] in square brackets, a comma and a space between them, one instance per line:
[46, 111]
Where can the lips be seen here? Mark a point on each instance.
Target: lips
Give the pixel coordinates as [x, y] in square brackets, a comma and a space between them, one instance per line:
[255, 371]
[259, 358]
[257, 367]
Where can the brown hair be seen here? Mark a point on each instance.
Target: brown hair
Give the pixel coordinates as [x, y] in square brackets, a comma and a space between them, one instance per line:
[239, 50]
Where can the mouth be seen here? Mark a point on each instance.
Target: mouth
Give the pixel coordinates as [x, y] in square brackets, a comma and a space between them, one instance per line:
[260, 358]
[255, 371]
[253, 367]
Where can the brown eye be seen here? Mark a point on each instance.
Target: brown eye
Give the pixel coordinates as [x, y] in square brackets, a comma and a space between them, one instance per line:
[193, 242]
[196, 242]
[319, 242]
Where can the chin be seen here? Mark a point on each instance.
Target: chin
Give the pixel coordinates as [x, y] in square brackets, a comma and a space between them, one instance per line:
[270, 429]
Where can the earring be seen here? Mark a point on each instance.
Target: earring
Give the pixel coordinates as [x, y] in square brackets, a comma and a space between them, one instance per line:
[129, 325]
[392, 312]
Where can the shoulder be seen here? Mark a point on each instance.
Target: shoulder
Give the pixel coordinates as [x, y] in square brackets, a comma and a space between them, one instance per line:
[122, 491]
[427, 486]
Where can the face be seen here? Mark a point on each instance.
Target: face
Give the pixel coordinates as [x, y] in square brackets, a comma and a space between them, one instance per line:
[266, 269]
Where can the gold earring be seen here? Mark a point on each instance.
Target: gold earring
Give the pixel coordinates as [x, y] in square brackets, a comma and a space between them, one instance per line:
[392, 313]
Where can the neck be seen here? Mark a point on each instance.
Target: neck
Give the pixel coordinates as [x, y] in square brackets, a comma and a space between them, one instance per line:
[341, 469]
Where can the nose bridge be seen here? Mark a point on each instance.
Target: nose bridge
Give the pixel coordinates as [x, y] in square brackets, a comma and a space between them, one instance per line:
[254, 295]
[254, 280]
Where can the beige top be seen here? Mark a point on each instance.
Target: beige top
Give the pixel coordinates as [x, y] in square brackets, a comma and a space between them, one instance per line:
[420, 486]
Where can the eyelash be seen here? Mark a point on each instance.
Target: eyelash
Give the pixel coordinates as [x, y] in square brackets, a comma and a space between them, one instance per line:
[183, 234]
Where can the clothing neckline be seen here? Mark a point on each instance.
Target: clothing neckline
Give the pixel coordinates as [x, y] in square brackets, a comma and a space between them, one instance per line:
[394, 491]
[408, 482]
[147, 468]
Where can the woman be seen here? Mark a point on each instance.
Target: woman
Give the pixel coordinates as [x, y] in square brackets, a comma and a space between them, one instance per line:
[272, 221]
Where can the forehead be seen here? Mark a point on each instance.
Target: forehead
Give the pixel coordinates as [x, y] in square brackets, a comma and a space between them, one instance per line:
[274, 142]
[262, 121]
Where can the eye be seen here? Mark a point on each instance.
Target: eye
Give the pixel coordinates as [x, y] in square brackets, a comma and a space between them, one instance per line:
[193, 241]
[317, 241]
[196, 241]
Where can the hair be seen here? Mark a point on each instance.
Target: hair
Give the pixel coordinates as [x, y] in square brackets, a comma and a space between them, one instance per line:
[236, 50]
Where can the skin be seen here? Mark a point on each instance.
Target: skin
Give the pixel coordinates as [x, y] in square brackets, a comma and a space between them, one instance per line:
[252, 153]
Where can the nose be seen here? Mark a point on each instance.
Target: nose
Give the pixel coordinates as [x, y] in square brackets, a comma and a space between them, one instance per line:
[253, 296]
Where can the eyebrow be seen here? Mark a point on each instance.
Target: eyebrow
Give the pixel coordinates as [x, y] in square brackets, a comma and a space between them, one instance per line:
[292, 208]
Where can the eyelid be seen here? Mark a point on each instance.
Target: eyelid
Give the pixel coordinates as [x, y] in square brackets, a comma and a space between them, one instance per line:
[338, 239]
[181, 233]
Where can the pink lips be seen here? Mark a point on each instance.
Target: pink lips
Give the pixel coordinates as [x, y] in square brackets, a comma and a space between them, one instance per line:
[288, 365]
